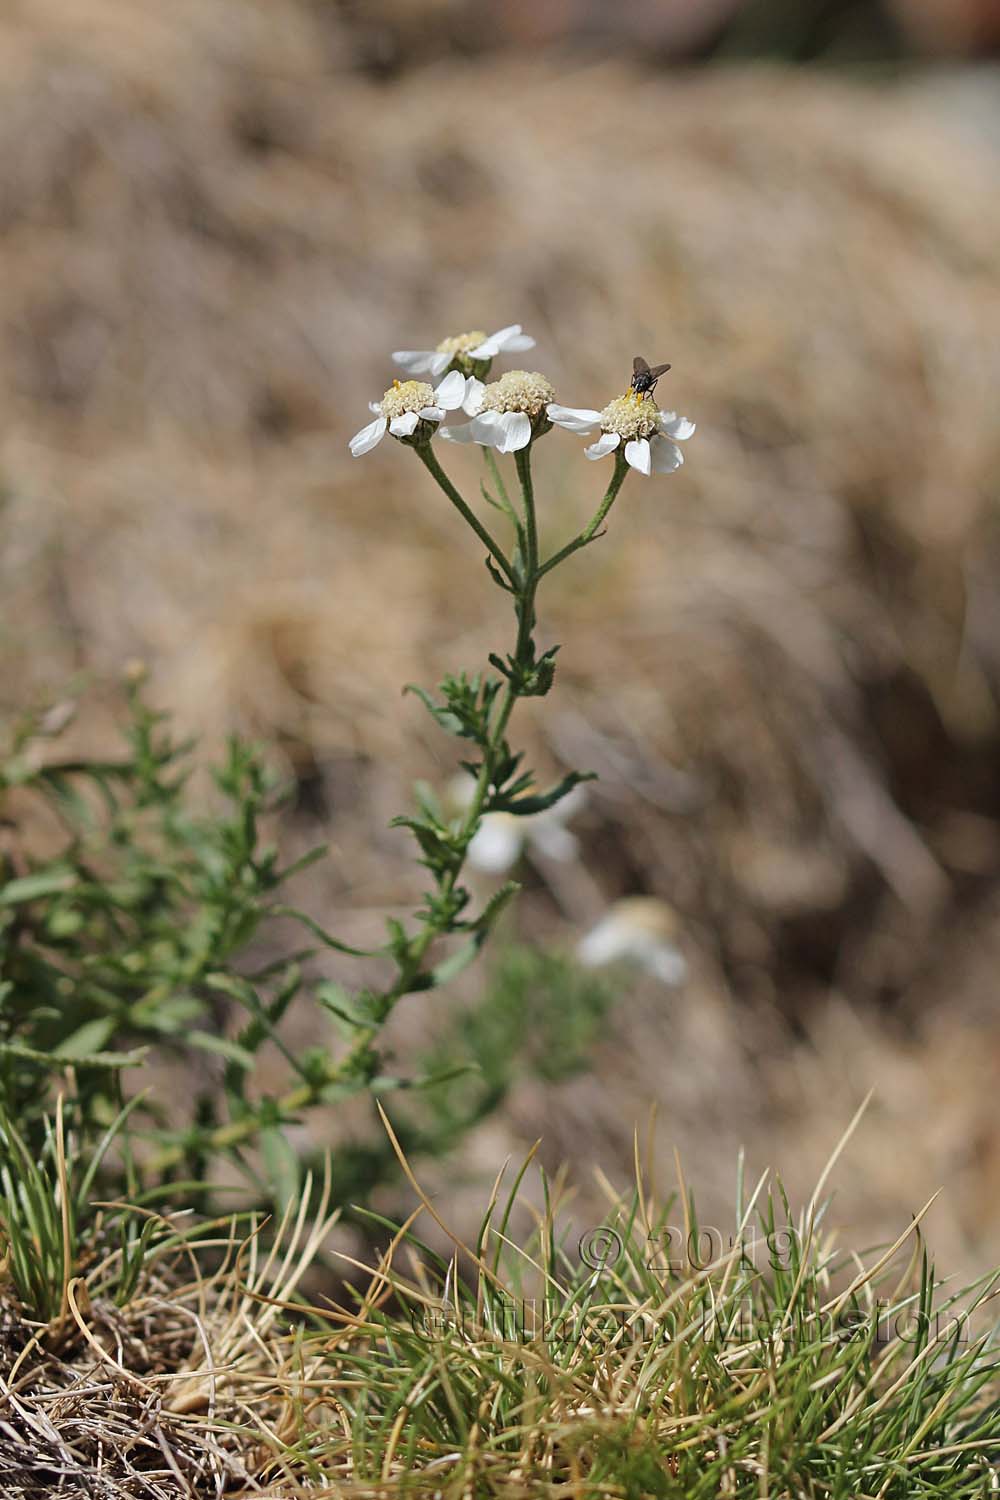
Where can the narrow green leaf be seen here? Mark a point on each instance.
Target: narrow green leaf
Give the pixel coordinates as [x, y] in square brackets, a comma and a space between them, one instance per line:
[88, 1039]
[43, 883]
[222, 1046]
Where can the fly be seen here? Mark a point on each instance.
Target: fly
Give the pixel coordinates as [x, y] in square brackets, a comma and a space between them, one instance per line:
[643, 378]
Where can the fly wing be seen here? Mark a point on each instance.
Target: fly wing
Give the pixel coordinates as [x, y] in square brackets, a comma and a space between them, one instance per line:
[658, 370]
[639, 366]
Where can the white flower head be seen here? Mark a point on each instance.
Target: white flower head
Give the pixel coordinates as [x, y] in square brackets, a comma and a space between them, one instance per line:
[407, 404]
[469, 353]
[650, 435]
[503, 837]
[640, 930]
[507, 413]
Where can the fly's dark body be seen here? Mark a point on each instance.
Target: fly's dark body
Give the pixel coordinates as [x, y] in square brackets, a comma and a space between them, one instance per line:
[643, 378]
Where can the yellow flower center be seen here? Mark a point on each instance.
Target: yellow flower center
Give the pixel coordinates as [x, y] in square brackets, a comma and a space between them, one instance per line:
[462, 343]
[519, 390]
[631, 416]
[406, 395]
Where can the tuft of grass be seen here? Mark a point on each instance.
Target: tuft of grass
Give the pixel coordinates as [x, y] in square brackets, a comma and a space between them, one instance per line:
[645, 1356]
[143, 1355]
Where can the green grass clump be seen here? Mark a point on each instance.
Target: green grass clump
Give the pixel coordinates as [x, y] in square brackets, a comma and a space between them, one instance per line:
[627, 1362]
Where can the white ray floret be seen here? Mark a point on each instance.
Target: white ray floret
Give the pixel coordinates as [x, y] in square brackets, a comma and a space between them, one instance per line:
[650, 435]
[405, 404]
[464, 347]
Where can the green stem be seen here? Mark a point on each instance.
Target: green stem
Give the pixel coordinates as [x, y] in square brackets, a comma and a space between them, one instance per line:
[429, 460]
[504, 498]
[589, 533]
[236, 1132]
[532, 572]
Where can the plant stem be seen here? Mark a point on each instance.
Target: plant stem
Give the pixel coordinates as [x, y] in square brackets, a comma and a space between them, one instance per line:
[590, 532]
[429, 460]
[310, 1091]
[490, 460]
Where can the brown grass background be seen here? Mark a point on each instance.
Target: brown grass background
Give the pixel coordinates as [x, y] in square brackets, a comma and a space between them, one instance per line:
[217, 218]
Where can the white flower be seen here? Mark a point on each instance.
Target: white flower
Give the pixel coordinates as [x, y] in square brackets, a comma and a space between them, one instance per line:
[506, 413]
[650, 435]
[639, 929]
[405, 404]
[463, 349]
[502, 837]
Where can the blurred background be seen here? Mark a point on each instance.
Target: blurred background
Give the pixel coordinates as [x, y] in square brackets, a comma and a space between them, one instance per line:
[216, 220]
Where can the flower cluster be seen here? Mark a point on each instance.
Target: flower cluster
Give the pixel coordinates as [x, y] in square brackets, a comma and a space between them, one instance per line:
[508, 414]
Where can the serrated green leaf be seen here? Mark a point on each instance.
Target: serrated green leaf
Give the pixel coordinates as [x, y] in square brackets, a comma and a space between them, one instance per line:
[524, 807]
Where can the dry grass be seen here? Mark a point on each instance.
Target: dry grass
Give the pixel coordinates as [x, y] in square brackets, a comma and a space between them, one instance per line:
[188, 1387]
[783, 661]
[636, 1360]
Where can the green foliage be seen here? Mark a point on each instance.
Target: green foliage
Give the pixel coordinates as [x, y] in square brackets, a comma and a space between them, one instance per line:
[50, 1231]
[119, 939]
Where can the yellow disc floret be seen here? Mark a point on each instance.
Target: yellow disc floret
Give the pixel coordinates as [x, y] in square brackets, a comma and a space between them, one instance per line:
[631, 416]
[406, 395]
[462, 343]
[519, 390]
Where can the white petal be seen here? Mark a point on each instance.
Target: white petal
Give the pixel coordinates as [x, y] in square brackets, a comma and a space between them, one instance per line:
[417, 361]
[451, 392]
[603, 943]
[473, 403]
[487, 428]
[365, 440]
[638, 455]
[676, 427]
[666, 963]
[376, 407]
[497, 844]
[515, 431]
[496, 341]
[422, 361]
[606, 443]
[433, 413]
[513, 343]
[463, 433]
[665, 456]
[573, 418]
[405, 425]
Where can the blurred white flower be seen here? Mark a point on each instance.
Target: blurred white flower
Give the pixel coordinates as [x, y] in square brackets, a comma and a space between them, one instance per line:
[462, 349]
[506, 413]
[503, 837]
[640, 930]
[405, 404]
[650, 435]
